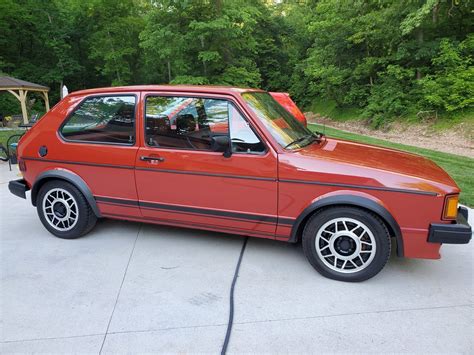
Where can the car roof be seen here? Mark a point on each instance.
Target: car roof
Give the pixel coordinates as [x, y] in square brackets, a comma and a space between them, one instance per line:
[215, 89]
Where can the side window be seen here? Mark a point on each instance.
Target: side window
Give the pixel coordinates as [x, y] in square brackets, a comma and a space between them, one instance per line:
[102, 119]
[242, 136]
[197, 123]
[185, 122]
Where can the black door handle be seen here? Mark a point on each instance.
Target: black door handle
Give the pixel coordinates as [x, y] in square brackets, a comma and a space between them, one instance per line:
[144, 158]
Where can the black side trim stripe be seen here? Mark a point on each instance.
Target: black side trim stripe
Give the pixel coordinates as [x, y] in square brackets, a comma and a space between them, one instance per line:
[194, 214]
[388, 189]
[363, 187]
[206, 174]
[209, 212]
[287, 221]
[81, 163]
[116, 201]
[192, 224]
[128, 203]
[195, 210]
[182, 172]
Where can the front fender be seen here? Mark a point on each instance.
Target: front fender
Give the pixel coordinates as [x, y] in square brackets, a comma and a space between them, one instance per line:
[350, 200]
[69, 176]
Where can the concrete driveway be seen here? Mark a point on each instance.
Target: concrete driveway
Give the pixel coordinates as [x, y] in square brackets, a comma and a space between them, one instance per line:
[130, 287]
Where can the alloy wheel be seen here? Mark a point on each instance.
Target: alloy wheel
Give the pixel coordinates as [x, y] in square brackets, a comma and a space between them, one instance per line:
[60, 209]
[345, 245]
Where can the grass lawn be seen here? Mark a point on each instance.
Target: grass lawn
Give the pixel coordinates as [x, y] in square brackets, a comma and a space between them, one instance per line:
[460, 168]
[329, 108]
[4, 135]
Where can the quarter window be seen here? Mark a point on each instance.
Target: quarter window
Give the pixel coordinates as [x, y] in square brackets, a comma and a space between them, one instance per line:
[104, 119]
[243, 138]
[196, 123]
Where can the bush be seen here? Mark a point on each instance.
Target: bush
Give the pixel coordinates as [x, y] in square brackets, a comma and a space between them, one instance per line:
[451, 87]
[391, 97]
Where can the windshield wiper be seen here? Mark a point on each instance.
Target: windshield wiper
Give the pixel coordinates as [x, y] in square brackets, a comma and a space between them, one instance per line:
[301, 139]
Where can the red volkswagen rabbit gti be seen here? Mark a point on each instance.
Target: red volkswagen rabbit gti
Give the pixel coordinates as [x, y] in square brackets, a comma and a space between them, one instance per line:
[235, 161]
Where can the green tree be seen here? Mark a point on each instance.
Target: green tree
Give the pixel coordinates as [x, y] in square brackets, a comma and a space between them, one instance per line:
[114, 41]
[387, 58]
[451, 86]
[212, 41]
[375, 54]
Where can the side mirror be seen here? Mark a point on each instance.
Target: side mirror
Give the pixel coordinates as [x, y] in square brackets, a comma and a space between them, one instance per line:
[222, 144]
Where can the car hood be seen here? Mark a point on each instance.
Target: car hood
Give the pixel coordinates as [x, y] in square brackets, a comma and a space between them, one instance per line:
[371, 166]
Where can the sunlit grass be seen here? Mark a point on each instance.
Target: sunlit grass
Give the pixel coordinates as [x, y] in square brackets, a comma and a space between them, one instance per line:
[5, 134]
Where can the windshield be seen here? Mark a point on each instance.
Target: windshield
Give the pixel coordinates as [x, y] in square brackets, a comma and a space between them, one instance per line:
[286, 129]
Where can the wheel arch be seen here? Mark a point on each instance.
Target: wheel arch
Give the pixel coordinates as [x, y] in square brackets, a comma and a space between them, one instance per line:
[363, 202]
[67, 176]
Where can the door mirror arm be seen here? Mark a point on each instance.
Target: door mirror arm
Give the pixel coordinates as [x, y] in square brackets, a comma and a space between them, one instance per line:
[222, 144]
[228, 151]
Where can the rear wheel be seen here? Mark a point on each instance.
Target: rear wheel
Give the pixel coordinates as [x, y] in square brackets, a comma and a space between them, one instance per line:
[64, 211]
[346, 243]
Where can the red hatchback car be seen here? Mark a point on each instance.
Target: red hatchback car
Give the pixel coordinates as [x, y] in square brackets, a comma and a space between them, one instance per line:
[235, 161]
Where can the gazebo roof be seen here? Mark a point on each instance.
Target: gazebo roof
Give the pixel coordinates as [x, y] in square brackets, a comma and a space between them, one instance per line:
[9, 83]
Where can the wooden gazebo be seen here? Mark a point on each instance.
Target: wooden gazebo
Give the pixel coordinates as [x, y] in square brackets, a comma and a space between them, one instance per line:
[20, 88]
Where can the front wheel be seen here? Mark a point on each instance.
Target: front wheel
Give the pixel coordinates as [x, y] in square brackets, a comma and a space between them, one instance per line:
[346, 243]
[64, 211]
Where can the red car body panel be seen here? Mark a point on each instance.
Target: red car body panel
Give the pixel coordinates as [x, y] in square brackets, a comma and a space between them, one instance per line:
[285, 100]
[385, 173]
[257, 195]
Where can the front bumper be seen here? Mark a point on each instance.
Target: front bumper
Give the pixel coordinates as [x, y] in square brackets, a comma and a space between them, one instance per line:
[18, 188]
[456, 233]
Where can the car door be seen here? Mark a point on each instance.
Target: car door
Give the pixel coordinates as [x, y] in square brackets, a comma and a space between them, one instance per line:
[186, 175]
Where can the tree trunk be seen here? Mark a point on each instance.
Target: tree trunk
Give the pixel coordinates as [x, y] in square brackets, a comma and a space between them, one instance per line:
[218, 5]
[118, 76]
[169, 71]
[419, 37]
[115, 59]
[435, 13]
[371, 79]
[203, 62]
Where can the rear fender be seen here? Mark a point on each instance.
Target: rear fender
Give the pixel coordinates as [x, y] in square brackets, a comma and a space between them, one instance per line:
[68, 176]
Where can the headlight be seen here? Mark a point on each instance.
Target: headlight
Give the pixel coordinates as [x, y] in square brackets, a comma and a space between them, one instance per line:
[451, 207]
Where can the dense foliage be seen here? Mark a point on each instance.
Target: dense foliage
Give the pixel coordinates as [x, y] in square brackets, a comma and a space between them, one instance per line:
[389, 58]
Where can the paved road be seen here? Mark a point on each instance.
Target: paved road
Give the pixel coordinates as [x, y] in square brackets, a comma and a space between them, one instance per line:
[133, 287]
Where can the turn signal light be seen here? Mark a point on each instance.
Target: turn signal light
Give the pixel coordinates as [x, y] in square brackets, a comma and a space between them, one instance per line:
[451, 207]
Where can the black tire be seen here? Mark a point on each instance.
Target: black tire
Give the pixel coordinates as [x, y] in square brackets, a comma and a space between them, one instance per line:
[85, 220]
[328, 218]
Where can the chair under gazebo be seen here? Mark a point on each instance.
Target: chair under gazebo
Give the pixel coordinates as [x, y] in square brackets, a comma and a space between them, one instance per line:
[20, 88]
